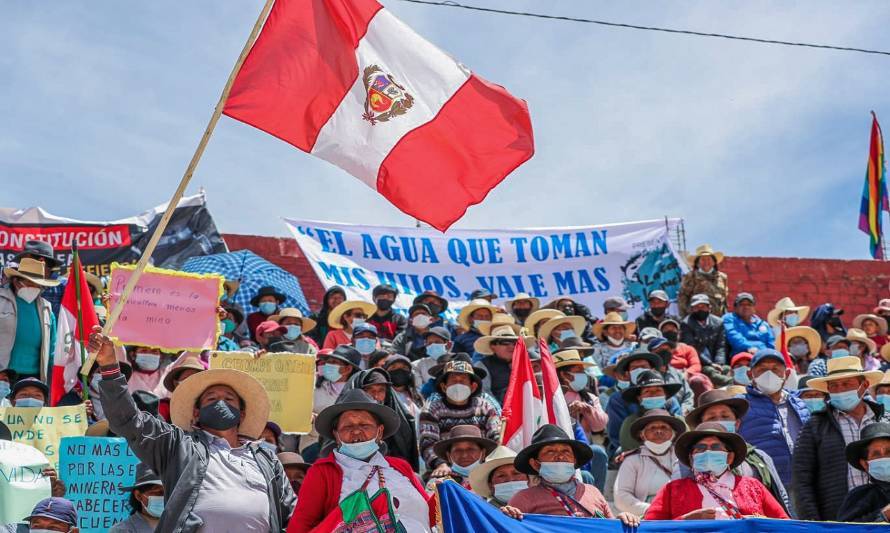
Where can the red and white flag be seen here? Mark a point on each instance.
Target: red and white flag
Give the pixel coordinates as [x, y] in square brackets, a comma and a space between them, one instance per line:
[555, 400]
[347, 81]
[523, 411]
[67, 360]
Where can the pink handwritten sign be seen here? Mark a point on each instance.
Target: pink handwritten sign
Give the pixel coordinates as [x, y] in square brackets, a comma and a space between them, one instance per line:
[169, 310]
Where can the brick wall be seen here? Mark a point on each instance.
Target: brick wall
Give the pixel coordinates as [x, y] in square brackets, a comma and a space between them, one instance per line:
[855, 286]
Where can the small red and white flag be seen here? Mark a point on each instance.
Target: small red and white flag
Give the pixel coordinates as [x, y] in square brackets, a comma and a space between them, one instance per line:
[67, 360]
[554, 398]
[523, 411]
[347, 81]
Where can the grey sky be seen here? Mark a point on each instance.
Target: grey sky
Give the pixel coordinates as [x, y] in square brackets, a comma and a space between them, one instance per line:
[762, 149]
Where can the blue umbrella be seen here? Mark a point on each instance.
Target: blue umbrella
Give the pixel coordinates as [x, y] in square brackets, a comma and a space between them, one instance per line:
[253, 272]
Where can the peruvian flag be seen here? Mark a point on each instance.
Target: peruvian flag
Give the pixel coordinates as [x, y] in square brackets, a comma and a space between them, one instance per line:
[555, 400]
[524, 410]
[70, 335]
[350, 83]
[781, 332]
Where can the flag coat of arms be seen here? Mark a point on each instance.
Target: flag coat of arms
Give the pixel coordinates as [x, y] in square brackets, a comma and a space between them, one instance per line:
[348, 82]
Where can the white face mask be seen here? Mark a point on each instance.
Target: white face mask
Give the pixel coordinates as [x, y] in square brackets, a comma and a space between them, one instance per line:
[658, 449]
[504, 491]
[615, 341]
[458, 392]
[421, 321]
[769, 382]
[28, 294]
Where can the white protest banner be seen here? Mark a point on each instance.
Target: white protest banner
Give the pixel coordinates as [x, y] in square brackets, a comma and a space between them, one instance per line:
[587, 264]
[22, 483]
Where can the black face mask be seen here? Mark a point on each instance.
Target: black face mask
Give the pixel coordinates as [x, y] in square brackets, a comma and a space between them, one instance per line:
[218, 415]
[700, 315]
[434, 309]
[522, 313]
[665, 356]
[384, 304]
[401, 377]
[296, 486]
[671, 336]
[568, 310]
[657, 311]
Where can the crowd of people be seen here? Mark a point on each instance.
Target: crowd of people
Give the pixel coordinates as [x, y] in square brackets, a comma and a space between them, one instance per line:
[716, 412]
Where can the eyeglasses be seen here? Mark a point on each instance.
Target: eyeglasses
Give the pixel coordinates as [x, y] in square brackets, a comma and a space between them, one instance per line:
[503, 343]
[704, 448]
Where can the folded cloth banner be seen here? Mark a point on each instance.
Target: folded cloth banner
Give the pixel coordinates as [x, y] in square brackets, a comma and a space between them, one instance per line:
[585, 263]
[350, 83]
[22, 483]
[168, 310]
[94, 469]
[44, 427]
[462, 511]
[289, 380]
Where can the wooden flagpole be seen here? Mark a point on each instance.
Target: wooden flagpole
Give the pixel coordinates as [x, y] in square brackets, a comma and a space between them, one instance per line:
[177, 195]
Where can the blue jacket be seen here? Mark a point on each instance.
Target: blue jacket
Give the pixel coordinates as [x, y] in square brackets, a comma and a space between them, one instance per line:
[762, 426]
[618, 410]
[743, 335]
[464, 342]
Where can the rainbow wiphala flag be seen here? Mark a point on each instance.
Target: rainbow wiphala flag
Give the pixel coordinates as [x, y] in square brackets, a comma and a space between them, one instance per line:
[874, 194]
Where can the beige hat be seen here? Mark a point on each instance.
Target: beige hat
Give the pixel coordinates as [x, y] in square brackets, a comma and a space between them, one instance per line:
[479, 476]
[292, 312]
[704, 249]
[293, 459]
[539, 316]
[807, 333]
[578, 324]
[613, 319]
[503, 331]
[783, 306]
[31, 270]
[885, 351]
[334, 317]
[500, 319]
[568, 358]
[879, 320]
[884, 380]
[185, 361]
[251, 391]
[523, 296]
[857, 335]
[464, 317]
[844, 367]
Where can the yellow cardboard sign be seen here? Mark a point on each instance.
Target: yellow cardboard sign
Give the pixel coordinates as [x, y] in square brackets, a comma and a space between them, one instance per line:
[44, 427]
[289, 380]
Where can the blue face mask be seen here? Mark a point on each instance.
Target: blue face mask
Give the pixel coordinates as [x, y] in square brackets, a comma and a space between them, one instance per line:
[4, 389]
[557, 472]
[155, 506]
[740, 375]
[884, 399]
[879, 468]
[792, 320]
[635, 373]
[269, 446]
[148, 362]
[855, 349]
[711, 461]
[728, 425]
[464, 471]
[566, 334]
[845, 401]
[840, 352]
[579, 382]
[267, 308]
[436, 350]
[365, 346]
[28, 402]
[653, 402]
[360, 450]
[814, 405]
[799, 349]
[504, 491]
[621, 384]
[331, 372]
[293, 332]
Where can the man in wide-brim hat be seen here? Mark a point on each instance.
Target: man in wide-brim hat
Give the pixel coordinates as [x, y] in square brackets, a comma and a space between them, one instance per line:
[217, 417]
[463, 450]
[471, 319]
[344, 318]
[870, 454]
[650, 391]
[553, 457]
[357, 425]
[786, 311]
[535, 320]
[522, 306]
[497, 346]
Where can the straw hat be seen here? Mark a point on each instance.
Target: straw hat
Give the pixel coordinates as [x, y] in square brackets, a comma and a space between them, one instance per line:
[884, 381]
[479, 476]
[704, 249]
[183, 362]
[814, 340]
[33, 271]
[578, 324]
[844, 367]
[500, 319]
[569, 357]
[613, 319]
[464, 317]
[857, 335]
[523, 296]
[539, 316]
[879, 320]
[783, 306]
[334, 318]
[251, 391]
[292, 312]
[503, 331]
[885, 351]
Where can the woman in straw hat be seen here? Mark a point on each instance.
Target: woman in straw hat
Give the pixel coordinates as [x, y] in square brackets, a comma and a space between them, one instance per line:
[27, 322]
[786, 312]
[295, 339]
[217, 416]
[704, 278]
[343, 319]
[713, 492]
[496, 479]
[875, 328]
[614, 333]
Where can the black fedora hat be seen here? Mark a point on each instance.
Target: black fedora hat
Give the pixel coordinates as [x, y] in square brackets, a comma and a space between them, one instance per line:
[733, 441]
[348, 355]
[657, 415]
[356, 400]
[714, 397]
[443, 303]
[545, 435]
[650, 378]
[144, 476]
[267, 291]
[39, 249]
[464, 432]
[856, 449]
[625, 361]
